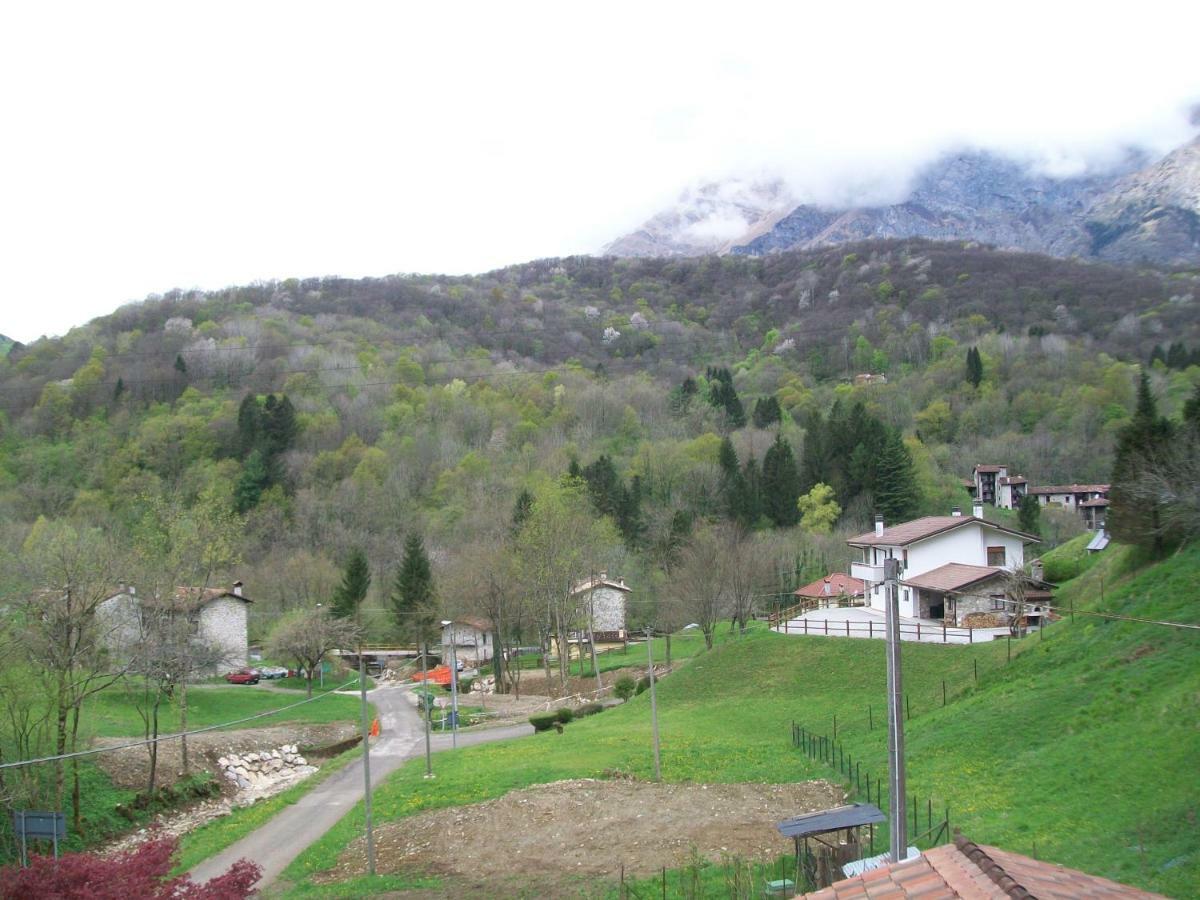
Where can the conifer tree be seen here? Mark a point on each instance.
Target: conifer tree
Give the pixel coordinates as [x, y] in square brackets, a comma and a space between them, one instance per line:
[1177, 356]
[413, 596]
[356, 581]
[248, 425]
[780, 484]
[767, 412]
[255, 479]
[180, 365]
[974, 367]
[1029, 515]
[522, 509]
[1142, 445]
[896, 496]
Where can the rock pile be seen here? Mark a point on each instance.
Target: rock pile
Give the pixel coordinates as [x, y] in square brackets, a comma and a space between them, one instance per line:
[257, 770]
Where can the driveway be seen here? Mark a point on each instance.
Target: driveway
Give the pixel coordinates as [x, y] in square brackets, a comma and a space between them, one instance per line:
[293, 829]
[864, 622]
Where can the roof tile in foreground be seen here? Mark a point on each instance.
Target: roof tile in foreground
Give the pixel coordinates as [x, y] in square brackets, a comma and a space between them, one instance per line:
[974, 872]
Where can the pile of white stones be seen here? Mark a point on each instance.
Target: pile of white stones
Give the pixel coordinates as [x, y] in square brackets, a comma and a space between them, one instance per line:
[258, 770]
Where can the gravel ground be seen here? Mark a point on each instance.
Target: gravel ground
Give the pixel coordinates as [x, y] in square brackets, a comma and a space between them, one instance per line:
[546, 838]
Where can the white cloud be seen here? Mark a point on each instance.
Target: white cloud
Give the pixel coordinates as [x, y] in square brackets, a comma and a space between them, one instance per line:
[149, 146]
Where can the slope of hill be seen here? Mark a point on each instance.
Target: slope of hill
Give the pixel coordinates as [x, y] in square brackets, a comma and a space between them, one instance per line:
[5, 344]
[1082, 750]
[1139, 212]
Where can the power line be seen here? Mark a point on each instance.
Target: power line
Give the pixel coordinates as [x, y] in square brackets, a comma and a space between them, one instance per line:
[167, 737]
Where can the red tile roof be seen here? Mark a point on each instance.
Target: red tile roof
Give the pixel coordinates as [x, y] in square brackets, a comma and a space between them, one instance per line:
[974, 872]
[990, 468]
[952, 577]
[838, 584]
[1070, 489]
[918, 529]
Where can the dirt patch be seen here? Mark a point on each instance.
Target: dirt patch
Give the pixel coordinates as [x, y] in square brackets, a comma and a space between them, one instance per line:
[129, 768]
[548, 835]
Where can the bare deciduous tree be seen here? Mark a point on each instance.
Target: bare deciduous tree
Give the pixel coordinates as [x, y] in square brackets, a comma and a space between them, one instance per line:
[308, 636]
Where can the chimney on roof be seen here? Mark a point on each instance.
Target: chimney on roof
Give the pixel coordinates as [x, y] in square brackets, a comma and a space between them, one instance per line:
[132, 590]
[878, 525]
[956, 512]
[827, 588]
[977, 509]
[237, 589]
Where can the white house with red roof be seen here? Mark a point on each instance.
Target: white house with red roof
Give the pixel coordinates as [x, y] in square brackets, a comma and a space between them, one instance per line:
[836, 588]
[952, 568]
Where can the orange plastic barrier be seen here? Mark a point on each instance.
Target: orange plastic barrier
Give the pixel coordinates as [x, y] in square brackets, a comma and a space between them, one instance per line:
[437, 675]
[375, 728]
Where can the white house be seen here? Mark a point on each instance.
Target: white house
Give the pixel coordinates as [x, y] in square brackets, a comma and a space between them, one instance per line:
[602, 601]
[468, 638]
[1070, 496]
[219, 615]
[950, 566]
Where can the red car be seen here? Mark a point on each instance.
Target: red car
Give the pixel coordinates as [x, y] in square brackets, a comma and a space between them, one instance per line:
[243, 676]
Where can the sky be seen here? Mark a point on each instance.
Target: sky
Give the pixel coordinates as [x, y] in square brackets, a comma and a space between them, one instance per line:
[146, 147]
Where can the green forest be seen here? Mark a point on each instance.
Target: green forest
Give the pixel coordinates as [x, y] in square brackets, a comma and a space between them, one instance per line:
[406, 448]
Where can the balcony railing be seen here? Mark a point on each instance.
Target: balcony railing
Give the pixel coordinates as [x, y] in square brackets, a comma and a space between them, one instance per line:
[865, 572]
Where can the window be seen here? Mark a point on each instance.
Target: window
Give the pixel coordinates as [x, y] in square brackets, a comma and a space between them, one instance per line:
[995, 556]
[998, 601]
[904, 560]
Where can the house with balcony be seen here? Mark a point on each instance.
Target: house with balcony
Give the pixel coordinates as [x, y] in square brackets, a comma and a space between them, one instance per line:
[1072, 496]
[952, 569]
[992, 484]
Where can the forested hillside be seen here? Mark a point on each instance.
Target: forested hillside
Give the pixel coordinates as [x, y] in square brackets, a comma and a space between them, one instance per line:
[682, 391]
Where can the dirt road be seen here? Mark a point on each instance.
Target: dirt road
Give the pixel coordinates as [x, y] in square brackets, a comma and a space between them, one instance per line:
[279, 841]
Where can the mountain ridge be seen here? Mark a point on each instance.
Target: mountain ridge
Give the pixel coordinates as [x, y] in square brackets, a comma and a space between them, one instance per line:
[1141, 211]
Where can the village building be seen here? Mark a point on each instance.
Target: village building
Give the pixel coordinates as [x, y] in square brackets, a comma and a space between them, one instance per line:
[993, 484]
[1070, 496]
[468, 639]
[953, 569]
[835, 589]
[219, 616]
[600, 602]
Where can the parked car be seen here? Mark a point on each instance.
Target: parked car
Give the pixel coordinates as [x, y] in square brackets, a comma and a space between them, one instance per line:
[243, 676]
[272, 672]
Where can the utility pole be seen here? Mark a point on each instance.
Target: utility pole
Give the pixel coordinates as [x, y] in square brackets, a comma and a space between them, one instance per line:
[424, 707]
[366, 739]
[653, 703]
[897, 825]
[453, 690]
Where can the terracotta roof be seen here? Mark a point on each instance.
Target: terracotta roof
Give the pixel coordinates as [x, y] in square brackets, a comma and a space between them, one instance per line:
[479, 623]
[919, 529]
[974, 872]
[194, 597]
[952, 577]
[990, 468]
[1015, 479]
[837, 582]
[1099, 501]
[1069, 489]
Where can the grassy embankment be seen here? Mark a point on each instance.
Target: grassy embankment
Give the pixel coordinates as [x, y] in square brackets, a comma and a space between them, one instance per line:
[1082, 750]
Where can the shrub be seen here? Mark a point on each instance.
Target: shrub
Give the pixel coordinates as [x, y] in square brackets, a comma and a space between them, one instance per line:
[464, 685]
[565, 714]
[543, 721]
[588, 709]
[643, 684]
[624, 687]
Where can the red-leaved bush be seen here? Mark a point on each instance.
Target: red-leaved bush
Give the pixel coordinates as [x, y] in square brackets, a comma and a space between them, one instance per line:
[144, 872]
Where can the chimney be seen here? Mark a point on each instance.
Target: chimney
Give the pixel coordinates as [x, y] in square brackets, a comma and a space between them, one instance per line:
[977, 510]
[956, 512]
[237, 589]
[132, 591]
[878, 525]
[826, 588]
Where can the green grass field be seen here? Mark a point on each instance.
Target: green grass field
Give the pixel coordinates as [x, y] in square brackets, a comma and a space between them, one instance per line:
[1082, 750]
[113, 713]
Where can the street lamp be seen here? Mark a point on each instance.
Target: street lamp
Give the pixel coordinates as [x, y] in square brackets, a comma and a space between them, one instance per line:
[453, 686]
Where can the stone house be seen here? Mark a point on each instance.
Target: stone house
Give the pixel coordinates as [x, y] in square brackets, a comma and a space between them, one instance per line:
[601, 600]
[218, 614]
[468, 638]
[952, 568]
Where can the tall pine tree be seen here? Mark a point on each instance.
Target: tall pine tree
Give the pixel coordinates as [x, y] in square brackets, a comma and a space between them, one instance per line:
[780, 484]
[974, 367]
[413, 596]
[356, 581]
[896, 495]
[1142, 445]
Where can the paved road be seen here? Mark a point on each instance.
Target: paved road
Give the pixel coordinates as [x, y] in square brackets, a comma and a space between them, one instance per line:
[292, 830]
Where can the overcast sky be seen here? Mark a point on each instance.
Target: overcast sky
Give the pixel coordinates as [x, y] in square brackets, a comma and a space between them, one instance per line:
[160, 145]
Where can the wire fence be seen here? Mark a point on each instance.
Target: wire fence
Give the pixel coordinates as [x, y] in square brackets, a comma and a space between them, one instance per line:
[863, 783]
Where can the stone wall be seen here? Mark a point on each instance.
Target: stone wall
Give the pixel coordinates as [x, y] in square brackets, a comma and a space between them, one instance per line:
[223, 622]
[257, 771]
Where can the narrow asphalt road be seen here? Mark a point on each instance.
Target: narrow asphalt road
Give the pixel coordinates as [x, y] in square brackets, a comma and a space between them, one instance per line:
[293, 829]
